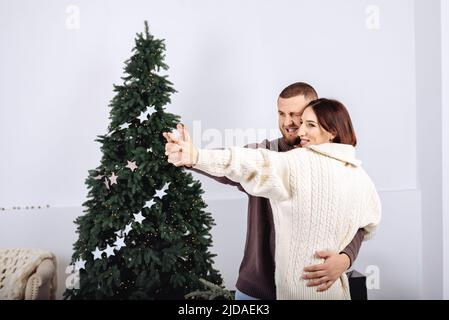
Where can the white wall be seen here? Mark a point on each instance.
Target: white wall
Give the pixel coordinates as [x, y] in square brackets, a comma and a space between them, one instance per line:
[393, 252]
[429, 147]
[229, 61]
[445, 143]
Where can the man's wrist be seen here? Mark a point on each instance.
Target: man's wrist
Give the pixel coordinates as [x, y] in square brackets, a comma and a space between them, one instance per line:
[347, 260]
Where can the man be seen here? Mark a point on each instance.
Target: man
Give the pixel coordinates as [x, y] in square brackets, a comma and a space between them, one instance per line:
[256, 274]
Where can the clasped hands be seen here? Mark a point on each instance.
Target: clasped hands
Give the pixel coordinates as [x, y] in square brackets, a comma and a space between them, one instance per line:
[180, 150]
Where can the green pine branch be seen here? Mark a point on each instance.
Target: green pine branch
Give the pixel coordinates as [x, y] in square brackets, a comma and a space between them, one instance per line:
[214, 291]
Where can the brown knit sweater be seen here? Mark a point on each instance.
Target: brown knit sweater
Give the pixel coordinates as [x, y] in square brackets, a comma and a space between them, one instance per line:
[256, 274]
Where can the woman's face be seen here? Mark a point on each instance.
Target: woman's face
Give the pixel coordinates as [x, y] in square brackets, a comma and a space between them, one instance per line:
[310, 131]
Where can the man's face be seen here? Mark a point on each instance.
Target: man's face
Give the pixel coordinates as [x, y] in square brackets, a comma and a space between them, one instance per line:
[290, 111]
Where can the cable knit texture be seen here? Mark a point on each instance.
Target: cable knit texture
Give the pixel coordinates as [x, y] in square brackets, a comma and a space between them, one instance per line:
[320, 197]
[16, 266]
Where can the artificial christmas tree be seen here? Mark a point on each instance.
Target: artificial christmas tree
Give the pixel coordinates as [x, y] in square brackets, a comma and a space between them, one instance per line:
[145, 234]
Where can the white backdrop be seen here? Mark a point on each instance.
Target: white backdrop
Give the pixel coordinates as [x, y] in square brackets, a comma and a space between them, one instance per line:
[445, 121]
[228, 61]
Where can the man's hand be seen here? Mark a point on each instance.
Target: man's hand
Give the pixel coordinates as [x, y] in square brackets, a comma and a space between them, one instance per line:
[325, 274]
[180, 151]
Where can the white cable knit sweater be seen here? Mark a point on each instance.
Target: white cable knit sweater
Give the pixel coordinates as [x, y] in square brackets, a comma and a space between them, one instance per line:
[320, 197]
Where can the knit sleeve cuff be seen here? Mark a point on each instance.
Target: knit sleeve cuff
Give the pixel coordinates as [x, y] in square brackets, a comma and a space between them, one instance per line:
[213, 161]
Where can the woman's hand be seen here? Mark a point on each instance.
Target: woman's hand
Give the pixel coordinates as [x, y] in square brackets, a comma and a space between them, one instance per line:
[180, 151]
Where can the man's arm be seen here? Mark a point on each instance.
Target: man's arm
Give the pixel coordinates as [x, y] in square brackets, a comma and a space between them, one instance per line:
[352, 249]
[223, 180]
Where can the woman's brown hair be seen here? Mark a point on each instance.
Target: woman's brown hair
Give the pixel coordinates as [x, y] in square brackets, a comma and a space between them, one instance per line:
[333, 116]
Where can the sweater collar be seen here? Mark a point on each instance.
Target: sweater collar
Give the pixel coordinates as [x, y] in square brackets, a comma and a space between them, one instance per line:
[338, 151]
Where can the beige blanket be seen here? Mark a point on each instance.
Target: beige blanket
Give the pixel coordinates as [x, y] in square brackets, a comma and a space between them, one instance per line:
[16, 266]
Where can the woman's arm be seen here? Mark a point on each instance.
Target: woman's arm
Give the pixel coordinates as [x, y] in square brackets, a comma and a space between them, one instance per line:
[266, 144]
[260, 172]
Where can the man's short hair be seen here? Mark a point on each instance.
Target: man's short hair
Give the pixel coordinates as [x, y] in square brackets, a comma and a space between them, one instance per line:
[299, 89]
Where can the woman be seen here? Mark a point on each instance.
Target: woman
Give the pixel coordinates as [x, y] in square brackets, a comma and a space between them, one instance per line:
[320, 195]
